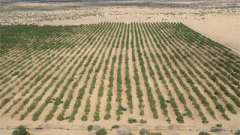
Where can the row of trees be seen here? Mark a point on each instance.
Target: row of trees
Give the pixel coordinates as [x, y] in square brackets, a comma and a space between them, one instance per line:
[39, 78]
[220, 61]
[136, 75]
[101, 88]
[127, 74]
[214, 99]
[119, 76]
[213, 77]
[183, 61]
[111, 77]
[161, 77]
[65, 88]
[218, 105]
[160, 39]
[152, 101]
[81, 91]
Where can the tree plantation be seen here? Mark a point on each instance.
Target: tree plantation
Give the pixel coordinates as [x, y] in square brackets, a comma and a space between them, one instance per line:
[116, 71]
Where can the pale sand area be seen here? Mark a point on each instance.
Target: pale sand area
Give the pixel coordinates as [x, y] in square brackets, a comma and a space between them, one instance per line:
[224, 29]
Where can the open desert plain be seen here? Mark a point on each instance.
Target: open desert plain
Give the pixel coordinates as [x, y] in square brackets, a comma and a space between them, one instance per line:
[168, 67]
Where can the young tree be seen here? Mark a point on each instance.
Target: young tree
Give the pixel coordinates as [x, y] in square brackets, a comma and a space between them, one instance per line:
[20, 131]
[101, 131]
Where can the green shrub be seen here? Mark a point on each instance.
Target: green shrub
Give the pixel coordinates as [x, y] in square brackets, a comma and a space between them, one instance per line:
[180, 119]
[237, 133]
[203, 133]
[84, 118]
[146, 132]
[168, 120]
[143, 121]
[101, 131]
[96, 117]
[131, 120]
[107, 116]
[115, 126]
[16, 132]
[90, 127]
[141, 112]
[168, 101]
[60, 117]
[130, 133]
[231, 108]
[15, 73]
[20, 131]
[121, 108]
[219, 125]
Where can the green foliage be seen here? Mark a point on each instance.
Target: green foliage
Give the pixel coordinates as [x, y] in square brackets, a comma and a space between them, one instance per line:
[20, 131]
[147, 132]
[90, 127]
[231, 108]
[143, 121]
[96, 117]
[168, 101]
[203, 133]
[144, 132]
[84, 118]
[15, 73]
[5, 101]
[161, 53]
[180, 119]
[121, 108]
[168, 120]
[219, 125]
[130, 133]
[60, 117]
[115, 126]
[101, 131]
[107, 116]
[131, 120]
[237, 133]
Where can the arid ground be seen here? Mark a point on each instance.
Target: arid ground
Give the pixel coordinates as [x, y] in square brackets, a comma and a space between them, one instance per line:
[219, 21]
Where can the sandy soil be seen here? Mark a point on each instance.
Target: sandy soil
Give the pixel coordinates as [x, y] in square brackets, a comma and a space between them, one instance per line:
[62, 128]
[110, 132]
